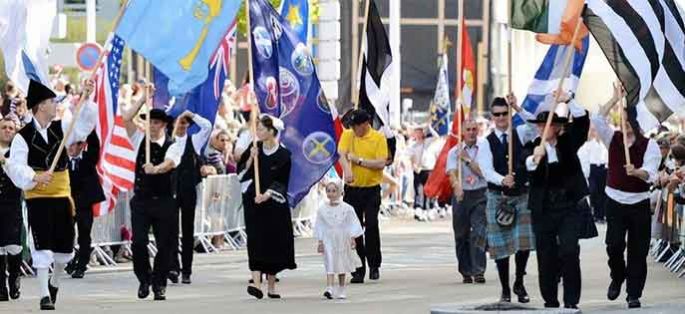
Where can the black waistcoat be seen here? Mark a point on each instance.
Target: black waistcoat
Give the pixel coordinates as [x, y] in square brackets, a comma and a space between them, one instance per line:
[9, 193]
[157, 185]
[188, 171]
[500, 160]
[41, 154]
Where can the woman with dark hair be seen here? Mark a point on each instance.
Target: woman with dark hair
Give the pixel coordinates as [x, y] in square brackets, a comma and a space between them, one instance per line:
[268, 223]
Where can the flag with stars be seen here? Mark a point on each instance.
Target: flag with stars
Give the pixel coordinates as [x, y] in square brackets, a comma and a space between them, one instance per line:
[441, 100]
[296, 13]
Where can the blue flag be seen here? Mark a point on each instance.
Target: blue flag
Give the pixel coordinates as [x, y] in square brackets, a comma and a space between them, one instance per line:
[296, 13]
[287, 87]
[547, 77]
[204, 99]
[178, 37]
[440, 120]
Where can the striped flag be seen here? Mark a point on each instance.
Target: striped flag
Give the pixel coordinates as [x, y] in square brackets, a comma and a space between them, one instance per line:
[644, 41]
[116, 167]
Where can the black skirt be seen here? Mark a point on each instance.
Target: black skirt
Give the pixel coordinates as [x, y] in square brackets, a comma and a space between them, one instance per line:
[52, 224]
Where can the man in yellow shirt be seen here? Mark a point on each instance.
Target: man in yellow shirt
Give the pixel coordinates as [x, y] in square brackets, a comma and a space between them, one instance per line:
[363, 155]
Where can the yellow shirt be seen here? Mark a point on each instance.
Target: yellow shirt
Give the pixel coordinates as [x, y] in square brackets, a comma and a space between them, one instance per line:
[372, 146]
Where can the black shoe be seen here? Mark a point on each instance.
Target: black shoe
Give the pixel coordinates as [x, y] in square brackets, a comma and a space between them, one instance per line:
[552, 305]
[255, 292]
[160, 293]
[173, 276]
[78, 273]
[15, 288]
[571, 306]
[46, 304]
[357, 278]
[4, 294]
[273, 296]
[614, 290]
[328, 295]
[467, 279]
[506, 297]
[185, 279]
[53, 293]
[374, 274]
[634, 303]
[479, 279]
[521, 292]
[143, 290]
[71, 266]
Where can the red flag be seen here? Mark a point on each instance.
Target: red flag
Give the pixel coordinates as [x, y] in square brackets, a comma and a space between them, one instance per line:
[438, 185]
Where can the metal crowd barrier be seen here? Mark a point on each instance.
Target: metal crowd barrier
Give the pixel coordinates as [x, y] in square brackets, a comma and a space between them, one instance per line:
[668, 233]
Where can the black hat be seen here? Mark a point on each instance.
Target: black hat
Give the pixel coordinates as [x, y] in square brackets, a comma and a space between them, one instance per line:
[37, 93]
[359, 116]
[542, 118]
[158, 114]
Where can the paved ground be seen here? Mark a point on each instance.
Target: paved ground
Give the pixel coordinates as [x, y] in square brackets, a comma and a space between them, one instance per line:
[418, 273]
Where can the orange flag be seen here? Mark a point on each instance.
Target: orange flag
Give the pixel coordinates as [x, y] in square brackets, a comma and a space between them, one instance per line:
[568, 24]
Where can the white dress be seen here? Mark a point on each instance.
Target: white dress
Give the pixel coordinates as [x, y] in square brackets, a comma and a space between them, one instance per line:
[335, 227]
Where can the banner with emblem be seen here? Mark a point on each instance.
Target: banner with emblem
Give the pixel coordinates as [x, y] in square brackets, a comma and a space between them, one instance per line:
[441, 100]
[287, 86]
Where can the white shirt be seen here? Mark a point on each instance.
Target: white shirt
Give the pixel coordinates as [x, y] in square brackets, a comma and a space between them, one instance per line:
[470, 180]
[525, 132]
[20, 173]
[650, 162]
[593, 152]
[174, 153]
[423, 154]
[243, 142]
[200, 138]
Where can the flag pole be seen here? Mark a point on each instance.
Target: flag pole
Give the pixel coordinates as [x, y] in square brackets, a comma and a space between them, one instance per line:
[82, 100]
[460, 65]
[255, 107]
[360, 57]
[147, 125]
[510, 72]
[567, 70]
[621, 113]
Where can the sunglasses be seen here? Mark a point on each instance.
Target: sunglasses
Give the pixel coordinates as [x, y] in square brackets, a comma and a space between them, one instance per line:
[500, 114]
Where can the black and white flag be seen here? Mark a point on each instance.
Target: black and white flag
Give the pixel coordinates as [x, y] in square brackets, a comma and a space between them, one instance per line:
[644, 42]
[374, 95]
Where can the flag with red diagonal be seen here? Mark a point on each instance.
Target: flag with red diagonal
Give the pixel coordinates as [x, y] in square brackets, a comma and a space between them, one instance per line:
[116, 167]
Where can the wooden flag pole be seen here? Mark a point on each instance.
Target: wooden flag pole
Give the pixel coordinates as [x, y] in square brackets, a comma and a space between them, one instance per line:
[82, 100]
[254, 115]
[360, 56]
[621, 112]
[148, 105]
[460, 65]
[510, 72]
[567, 70]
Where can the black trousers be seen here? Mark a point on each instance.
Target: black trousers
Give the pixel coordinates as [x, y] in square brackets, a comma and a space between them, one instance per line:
[635, 221]
[556, 239]
[420, 199]
[84, 222]
[597, 183]
[187, 202]
[159, 214]
[367, 203]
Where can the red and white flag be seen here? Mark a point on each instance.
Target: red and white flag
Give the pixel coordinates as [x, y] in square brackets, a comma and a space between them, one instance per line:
[117, 164]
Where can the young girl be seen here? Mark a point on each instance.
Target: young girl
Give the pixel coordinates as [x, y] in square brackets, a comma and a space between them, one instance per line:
[336, 228]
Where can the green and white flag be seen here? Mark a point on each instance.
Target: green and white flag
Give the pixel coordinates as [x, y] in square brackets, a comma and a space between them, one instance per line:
[539, 16]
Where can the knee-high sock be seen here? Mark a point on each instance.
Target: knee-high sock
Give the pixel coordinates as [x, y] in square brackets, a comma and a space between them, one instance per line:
[521, 263]
[503, 272]
[57, 273]
[43, 278]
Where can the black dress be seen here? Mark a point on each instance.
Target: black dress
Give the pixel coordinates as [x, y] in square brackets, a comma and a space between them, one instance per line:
[269, 228]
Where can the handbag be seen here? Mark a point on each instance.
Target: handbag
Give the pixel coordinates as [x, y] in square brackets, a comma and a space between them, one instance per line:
[586, 225]
[506, 212]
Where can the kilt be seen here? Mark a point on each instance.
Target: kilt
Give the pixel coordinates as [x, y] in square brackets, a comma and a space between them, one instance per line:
[506, 241]
[52, 224]
[11, 223]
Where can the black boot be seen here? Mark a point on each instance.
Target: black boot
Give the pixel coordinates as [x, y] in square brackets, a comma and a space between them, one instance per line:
[521, 263]
[503, 273]
[4, 295]
[53, 293]
[14, 279]
[46, 304]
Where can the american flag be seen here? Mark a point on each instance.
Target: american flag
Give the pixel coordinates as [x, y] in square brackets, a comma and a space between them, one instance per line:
[116, 167]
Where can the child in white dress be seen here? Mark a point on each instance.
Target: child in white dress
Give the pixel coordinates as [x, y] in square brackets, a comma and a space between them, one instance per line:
[336, 228]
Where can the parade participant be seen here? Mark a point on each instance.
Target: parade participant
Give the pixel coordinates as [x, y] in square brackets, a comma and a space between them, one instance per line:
[188, 176]
[628, 206]
[337, 228]
[363, 155]
[510, 230]
[48, 196]
[86, 191]
[154, 198]
[557, 184]
[268, 222]
[593, 157]
[11, 222]
[423, 161]
[468, 217]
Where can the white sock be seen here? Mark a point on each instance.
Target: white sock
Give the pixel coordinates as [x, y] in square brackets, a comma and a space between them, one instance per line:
[43, 277]
[57, 274]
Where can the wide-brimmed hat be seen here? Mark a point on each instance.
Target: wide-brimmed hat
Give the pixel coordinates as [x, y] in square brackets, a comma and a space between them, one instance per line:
[38, 93]
[158, 114]
[543, 116]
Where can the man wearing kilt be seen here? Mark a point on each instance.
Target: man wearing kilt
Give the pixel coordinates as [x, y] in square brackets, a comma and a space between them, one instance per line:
[11, 222]
[48, 193]
[509, 230]
[557, 185]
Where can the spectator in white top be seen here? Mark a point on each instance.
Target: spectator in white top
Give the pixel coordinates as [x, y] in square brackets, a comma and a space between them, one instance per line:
[423, 161]
[594, 157]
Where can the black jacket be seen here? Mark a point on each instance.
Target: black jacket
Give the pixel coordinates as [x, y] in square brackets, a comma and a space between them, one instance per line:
[565, 177]
[85, 184]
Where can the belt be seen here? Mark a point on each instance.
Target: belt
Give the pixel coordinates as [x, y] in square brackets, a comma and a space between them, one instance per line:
[481, 190]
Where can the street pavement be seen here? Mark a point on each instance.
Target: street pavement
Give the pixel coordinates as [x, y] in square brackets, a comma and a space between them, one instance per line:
[418, 274]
